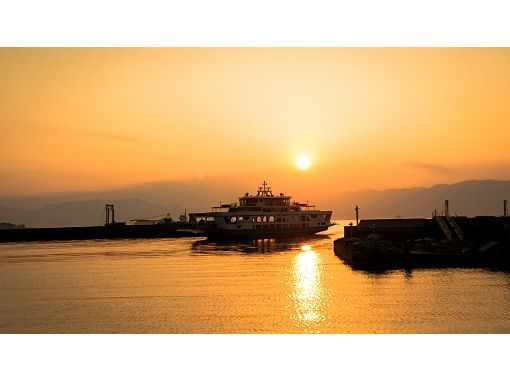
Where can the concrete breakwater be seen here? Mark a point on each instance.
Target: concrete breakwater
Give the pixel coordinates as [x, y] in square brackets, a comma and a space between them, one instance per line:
[109, 231]
[439, 241]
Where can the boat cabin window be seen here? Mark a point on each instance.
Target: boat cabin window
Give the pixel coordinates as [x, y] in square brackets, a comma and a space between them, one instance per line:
[231, 220]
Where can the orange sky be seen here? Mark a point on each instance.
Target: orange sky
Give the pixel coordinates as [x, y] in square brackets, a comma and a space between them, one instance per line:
[80, 119]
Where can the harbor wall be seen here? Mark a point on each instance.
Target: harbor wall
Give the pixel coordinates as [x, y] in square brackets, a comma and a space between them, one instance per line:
[440, 241]
[394, 229]
[478, 228]
[110, 231]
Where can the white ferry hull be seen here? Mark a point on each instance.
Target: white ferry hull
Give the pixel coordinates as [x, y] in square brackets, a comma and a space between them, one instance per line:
[259, 234]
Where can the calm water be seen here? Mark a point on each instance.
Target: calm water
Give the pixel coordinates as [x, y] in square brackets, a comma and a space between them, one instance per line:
[194, 286]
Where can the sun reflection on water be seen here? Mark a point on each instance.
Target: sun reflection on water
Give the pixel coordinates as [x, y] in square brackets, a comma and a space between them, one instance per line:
[308, 288]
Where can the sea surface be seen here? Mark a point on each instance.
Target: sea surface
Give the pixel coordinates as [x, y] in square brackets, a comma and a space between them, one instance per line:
[192, 285]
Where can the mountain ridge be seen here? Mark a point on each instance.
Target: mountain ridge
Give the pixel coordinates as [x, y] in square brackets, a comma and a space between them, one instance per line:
[470, 197]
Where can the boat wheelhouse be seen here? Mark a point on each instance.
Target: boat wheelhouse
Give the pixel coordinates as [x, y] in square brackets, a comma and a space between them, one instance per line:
[263, 214]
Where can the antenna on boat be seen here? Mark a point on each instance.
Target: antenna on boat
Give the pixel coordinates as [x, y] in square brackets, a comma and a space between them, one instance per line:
[264, 190]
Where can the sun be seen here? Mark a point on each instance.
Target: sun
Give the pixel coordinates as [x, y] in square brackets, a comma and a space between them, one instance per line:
[303, 162]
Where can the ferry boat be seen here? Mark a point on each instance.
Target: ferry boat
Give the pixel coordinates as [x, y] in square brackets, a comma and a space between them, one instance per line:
[262, 215]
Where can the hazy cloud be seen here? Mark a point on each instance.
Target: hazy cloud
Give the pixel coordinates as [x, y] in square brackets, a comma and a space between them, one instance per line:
[431, 168]
[72, 131]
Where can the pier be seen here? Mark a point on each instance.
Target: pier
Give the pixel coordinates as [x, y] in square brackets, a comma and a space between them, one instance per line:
[118, 231]
[440, 241]
[110, 230]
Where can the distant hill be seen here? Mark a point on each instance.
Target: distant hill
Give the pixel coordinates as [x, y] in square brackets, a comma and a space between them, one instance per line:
[79, 213]
[474, 197]
[131, 202]
[177, 195]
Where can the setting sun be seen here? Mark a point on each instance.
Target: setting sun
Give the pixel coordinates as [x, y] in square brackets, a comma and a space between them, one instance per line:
[303, 162]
